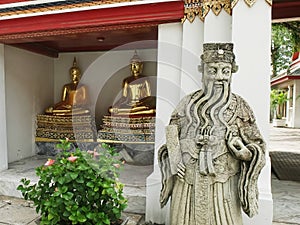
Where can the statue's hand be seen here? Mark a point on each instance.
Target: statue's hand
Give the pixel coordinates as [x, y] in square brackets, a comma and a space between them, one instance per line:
[238, 149]
[114, 110]
[49, 110]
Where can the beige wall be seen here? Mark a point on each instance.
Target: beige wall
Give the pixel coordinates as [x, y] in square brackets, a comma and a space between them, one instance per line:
[29, 90]
[34, 82]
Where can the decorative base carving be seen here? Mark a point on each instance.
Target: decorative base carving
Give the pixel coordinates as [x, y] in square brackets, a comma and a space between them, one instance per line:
[133, 137]
[54, 128]
[134, 130]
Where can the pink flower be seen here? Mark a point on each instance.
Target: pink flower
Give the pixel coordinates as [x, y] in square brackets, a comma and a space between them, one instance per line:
[49, 162]
[72, 158]
[117, 165]
[90, 152]
[94, 153]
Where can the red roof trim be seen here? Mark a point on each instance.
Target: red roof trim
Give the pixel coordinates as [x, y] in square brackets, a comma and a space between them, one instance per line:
[283, 79]
[283, 10]
[144, 13]
[12, 1]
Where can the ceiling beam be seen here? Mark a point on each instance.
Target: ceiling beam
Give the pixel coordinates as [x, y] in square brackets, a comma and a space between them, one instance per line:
[286, 10]
[38, 48]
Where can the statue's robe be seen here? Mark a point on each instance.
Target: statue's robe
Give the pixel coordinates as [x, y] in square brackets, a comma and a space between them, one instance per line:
[199, 198]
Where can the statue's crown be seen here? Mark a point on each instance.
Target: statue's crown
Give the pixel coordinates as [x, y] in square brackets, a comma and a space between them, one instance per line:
[135, 58]
[218, 52]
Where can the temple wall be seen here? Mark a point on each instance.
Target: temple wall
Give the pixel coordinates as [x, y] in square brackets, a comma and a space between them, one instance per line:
[3, 133]
[29, 90]
[34, 82]
[296, 110]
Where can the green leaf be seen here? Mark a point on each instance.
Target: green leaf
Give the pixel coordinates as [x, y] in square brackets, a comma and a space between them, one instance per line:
[72, 218]
[27, 182]
[68, 196]
[66, 214]
[106, 221]
[73, 175]
[50, 216]
[64, 189]
[90, 184]
[90, 215]
[81, 218]
[61, 180]
[47, 203]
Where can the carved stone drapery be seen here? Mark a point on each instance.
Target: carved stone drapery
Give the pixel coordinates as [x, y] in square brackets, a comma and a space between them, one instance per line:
[200, 8]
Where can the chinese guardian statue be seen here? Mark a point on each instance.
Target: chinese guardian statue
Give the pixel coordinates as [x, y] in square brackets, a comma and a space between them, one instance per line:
[214, 151]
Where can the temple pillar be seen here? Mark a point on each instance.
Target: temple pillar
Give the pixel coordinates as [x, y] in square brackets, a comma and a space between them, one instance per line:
[252, 82]
[192, 45]
[217, 28]
[3, 133]
[289, 106]
[168, 96]
[296, 110]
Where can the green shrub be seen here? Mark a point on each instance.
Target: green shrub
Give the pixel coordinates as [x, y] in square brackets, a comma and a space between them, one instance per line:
[78, 187]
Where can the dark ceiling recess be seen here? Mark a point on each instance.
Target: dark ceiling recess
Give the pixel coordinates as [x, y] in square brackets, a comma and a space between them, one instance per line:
[102, 40]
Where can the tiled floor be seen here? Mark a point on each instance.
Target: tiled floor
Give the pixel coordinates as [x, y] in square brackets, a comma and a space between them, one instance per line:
[286, 194]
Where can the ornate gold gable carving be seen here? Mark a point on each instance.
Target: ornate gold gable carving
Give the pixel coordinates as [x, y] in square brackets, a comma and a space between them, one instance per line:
[200, 8]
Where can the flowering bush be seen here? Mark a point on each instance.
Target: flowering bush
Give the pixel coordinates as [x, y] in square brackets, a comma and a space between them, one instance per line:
[77, 187]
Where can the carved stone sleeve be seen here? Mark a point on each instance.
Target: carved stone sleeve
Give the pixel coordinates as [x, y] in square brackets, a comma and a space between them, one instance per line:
[250, 170]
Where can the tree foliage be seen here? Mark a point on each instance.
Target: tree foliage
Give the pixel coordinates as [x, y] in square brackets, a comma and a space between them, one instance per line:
[285, 41]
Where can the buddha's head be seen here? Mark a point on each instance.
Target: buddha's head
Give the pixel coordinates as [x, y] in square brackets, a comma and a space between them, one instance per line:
[75, 72]
[136, 65]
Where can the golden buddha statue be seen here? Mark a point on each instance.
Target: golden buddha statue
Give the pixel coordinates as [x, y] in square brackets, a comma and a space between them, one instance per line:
[136, 93]
[74, 99]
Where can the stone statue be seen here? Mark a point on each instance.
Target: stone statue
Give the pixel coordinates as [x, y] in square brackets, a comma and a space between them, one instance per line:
[136, 93]
[74, 99]
[214, 151]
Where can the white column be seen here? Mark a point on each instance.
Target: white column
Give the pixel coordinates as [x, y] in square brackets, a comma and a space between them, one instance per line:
[217, 28]
[192, 47]
[251, 33]
[289, 107]
[296, 108]
[3, 133]
[168, 96]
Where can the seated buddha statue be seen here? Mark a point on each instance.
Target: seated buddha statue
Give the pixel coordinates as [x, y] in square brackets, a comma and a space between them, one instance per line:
[74, 100]
[136, 93]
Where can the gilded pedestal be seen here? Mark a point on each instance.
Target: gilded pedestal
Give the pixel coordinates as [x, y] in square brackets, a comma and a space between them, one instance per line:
[132, 136]
[80, 130]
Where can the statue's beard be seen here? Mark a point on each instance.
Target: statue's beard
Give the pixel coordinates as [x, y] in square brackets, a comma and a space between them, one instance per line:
[208, 107]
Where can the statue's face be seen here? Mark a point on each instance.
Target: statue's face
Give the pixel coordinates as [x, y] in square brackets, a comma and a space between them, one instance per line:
[217, 73]
[136, 67]
[75, 74]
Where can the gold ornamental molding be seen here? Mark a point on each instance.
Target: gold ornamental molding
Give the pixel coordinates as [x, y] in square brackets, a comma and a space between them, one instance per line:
[200, 8]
